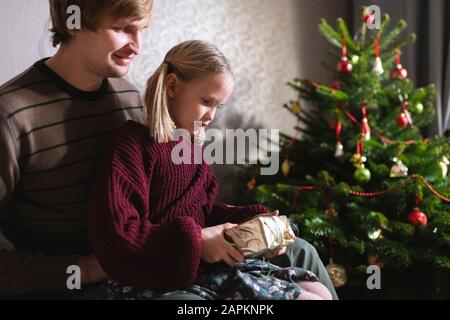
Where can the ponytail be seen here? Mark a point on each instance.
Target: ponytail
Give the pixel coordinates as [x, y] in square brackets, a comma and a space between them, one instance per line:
[159, 121]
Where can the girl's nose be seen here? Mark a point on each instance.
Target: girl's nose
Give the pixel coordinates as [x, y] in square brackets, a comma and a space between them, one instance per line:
[209, 116]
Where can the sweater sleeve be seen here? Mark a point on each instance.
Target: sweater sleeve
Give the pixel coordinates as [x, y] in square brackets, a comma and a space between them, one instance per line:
[130, 248]
[23, 273]
[219, 213]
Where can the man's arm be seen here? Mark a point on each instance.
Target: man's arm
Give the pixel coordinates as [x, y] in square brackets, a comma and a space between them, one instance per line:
[23, 273]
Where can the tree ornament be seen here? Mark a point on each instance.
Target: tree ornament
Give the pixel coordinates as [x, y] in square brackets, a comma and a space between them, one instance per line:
[369, 18]
[444, 166]
[378, 65]
[335, 85]
[402, 121]
[362, 175]
[404, 116]
[417, 108]
[374, 259]
[337, 273]
[339, 150]
[365, 128]
[355, 59]
[344, 66]
[375, 234]
[251, 184]
[399, 72]
[417, 218]
[339, 147]
[295, 107]
[331, 212]
[356, 160]
[398, 170]
[286, 167]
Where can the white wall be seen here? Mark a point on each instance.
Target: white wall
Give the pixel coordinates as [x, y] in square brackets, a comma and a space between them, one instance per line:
[268, 43]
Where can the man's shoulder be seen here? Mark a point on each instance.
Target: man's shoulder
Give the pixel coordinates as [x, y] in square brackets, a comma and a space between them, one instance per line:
[14, 90]
[123, 85]
[129, 97]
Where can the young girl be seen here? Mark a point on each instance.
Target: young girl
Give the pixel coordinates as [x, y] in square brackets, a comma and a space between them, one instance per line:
[154, 224]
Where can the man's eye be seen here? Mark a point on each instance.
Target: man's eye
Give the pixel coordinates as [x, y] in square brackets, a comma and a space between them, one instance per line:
[122, 29]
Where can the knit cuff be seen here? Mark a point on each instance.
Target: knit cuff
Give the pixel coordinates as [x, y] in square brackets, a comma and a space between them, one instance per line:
[223, 213]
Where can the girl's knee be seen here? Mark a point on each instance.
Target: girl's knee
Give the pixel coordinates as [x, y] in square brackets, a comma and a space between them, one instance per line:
[315, 288]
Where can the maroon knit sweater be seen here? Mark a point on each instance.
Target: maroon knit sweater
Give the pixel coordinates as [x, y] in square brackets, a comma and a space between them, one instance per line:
[146, 213]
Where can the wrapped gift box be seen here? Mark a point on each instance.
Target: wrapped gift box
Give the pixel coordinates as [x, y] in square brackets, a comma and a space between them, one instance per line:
[260, 235]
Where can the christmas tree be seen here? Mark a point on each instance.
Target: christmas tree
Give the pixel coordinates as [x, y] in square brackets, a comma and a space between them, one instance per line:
[362, 183]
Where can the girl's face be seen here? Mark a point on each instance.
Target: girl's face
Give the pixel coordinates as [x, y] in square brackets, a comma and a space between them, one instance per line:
[197, 100]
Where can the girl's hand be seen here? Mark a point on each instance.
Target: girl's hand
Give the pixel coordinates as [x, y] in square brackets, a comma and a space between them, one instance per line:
[215, 248]
[91, 270]
[274, 253]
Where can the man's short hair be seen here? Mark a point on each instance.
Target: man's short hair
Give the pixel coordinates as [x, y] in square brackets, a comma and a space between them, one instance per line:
[92, 11]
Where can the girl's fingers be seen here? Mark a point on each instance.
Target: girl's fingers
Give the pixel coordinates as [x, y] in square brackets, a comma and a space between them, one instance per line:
[274, 253]
[269, 255]
[228, 260]
[235, 254]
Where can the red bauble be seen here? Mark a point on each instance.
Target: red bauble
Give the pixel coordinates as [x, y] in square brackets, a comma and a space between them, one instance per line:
[417, 218]
[344, 66]
[335, 85]
[369, 18]
[399, 72]
[402, 121]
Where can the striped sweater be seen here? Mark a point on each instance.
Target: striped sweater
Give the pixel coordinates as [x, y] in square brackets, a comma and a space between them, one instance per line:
[52, 136]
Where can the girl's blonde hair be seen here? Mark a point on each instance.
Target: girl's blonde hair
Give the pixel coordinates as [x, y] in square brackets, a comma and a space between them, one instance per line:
[189, 60]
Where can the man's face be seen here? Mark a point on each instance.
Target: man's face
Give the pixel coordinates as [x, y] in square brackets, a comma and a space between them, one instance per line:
[108, 51]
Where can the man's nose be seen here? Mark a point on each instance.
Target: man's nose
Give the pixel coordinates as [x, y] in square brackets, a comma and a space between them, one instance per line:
[136, 42]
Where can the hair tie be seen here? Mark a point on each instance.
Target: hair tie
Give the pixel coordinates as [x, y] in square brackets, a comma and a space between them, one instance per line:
[172, 68]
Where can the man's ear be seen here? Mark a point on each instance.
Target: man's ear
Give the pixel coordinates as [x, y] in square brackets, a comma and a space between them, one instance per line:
[171, 84]
[72, 32]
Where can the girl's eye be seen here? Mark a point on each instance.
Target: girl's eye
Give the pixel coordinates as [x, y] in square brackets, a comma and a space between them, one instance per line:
[206, 102]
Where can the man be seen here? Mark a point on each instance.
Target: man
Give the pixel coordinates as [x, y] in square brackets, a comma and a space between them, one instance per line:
[56, 119]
